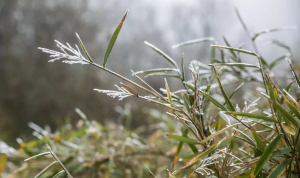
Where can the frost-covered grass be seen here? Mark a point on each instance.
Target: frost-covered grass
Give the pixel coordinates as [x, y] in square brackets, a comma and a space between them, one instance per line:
[224, 132]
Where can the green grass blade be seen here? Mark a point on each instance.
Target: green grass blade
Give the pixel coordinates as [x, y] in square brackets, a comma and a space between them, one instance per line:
[227, 44]
[228, 102]
[218, 133]
[266, 155]
[294, 73]
[169, 59]
[84, 49]
[235, 49]
[149, 71]
[190, 42]
[58, 174]
[182, 69]
[235, 64]
[215, 102]
[45, 170]
[257, 34]
[251, 115]
[259, 142]
[280, 44]
[113, 39]
[277, 61]
[182, 139]
[36, 156]
[279, 169]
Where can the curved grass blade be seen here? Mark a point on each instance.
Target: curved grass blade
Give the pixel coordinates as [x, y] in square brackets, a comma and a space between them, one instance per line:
[251, 115]
[161, 53]
[280, 44]
[36, 156]
[215, 102]
[272, 30]
[229, 104]
[58, 174]
[283, 111]
[289, 129]
[276, 61]
[45, 170]
[266, 155]
[281, 152]
[235, 64]
[235, 49]
[245, 136]
[217, 133]
[84, 49]
[130, 90]
[204, 153]
[113, 40]
[190, 42]
[279, 169]
[227, 44]
[182, 139]
[162, 74]
[149, 71]
[259, 142]
[294, 73]
[182, 69]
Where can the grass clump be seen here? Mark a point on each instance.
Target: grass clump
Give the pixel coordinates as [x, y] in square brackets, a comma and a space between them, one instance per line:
[221, 135]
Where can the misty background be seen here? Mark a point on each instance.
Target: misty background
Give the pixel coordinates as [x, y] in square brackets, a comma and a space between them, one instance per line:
[33, 90]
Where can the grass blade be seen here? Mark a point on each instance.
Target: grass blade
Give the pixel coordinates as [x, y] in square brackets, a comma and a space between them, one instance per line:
[276, 61]
[45, 170]
[227, 44]
[229, 104]
[36, 156]
[84, 49]
[266, 154]
[217, 133]
[113, 40]
[272, 30]
[235, 49]
[215, 102]
[3, 160]
[251, 115]
[190, 42]
[279, 169]
[182, 139]
[294, 73]
[58, 174]
[161, 53]
[149, 71]
[259, 142]
[235, 64]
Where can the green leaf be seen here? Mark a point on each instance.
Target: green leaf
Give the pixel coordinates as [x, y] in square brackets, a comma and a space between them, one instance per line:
[200, 40]
[259, 142]
[245, 136]
[113, 40]
[45, 169]
[294, 73]
[185, 101]
[235, 49]
[84, 49]
[235, 64]
[149, 71]
[218, 133]
[36, 156]
[182, 139]
[251, 115]
[182, 69]
[282, 151]
[276, 61]
[227, 44]
[57, 175]
[279, 169]
[163, 74]
[229, 104]
[215, 102]
[161, 53]
[280, 44]
[266, 155]
[272, 30]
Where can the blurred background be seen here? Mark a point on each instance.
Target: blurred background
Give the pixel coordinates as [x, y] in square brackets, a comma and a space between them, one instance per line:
[33, 90]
